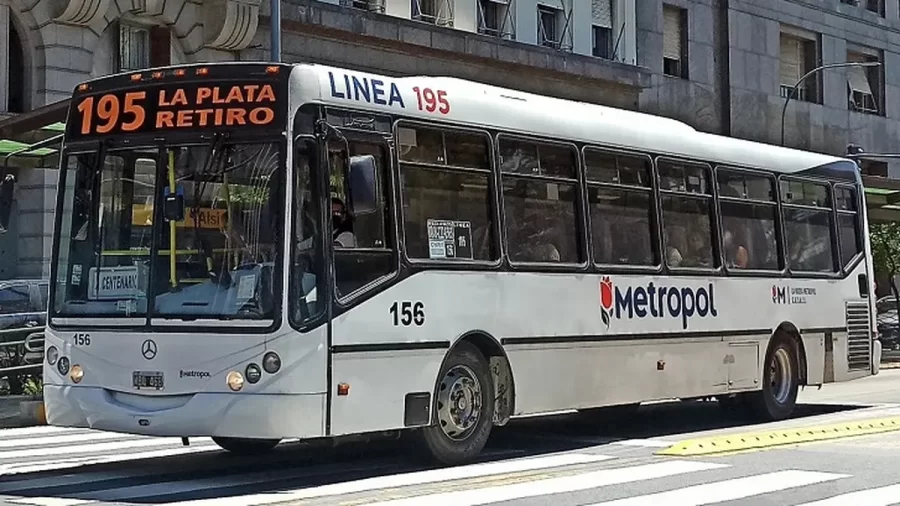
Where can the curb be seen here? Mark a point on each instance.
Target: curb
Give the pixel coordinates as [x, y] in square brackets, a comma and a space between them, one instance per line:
[760, 440]
[21, 411]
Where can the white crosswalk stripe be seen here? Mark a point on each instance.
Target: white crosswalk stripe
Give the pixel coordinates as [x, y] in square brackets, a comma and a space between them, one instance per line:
[47, 466]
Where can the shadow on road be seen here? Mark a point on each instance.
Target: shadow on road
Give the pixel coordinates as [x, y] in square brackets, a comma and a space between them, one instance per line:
[216, 474]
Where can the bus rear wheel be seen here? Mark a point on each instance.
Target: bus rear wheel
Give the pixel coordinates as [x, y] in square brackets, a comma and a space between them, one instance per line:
[781, 382]
[463, 408]
[246, 446]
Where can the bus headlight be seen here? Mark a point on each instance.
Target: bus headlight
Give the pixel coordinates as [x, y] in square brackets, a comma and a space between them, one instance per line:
[77, 373]
[63, 366]
[271, 362]
[253, 373]
[52, 355]
[235, 381]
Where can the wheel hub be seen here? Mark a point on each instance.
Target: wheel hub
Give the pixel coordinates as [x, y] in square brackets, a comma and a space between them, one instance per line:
[459, 403]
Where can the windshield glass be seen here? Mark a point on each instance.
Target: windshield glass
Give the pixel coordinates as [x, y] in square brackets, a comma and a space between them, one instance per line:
[209, 210]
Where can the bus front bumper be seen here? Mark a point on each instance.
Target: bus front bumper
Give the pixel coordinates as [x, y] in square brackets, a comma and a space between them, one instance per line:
[194, 415]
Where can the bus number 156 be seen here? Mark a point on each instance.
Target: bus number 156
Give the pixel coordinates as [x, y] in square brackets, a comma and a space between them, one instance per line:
[406, 313]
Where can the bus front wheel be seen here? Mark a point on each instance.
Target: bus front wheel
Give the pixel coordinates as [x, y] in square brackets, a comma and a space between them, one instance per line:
[245, 446]
[781, 382]
[463, 408]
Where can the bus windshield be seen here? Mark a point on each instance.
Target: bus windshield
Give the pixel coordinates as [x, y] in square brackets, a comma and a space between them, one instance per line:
[185, 232]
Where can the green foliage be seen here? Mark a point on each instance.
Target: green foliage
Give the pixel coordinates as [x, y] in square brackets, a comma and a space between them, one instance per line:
[885, 238]
[34, 387]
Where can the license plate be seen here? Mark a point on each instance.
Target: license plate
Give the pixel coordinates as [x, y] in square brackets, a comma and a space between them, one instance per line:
[147, 380]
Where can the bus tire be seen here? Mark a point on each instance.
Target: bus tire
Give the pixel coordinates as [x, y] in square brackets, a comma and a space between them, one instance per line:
[463, 408]
[780, 382]
[246, 446]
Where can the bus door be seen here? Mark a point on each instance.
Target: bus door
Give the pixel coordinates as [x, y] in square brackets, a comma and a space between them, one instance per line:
[365, 260]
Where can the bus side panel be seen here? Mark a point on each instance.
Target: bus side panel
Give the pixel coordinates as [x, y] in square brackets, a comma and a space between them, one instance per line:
[388, 389]
[590, 375]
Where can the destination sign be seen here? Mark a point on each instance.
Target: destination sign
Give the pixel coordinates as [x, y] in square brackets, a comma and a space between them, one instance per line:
[171, 107]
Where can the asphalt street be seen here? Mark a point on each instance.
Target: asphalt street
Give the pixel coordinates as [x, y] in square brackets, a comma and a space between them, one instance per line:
[564, 460]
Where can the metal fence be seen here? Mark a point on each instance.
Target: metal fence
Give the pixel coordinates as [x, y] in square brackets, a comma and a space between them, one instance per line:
[21, 356]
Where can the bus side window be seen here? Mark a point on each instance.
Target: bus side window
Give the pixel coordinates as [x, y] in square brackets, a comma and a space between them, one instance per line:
[686, 199]
[808, 226]
[541, 199]
[446, 184]
[748, 205]
[621, 208]
[848, 223]
[362, 247]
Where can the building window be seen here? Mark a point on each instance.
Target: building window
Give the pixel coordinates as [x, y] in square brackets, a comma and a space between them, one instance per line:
[601, 31]
[143, 47]
[365, 5]
[134, 48]
[864, 84]
[437, 12]
[675, 42]
[548, 20]
[876, 6]
[798, 56]
[15, 98]
[495, 18]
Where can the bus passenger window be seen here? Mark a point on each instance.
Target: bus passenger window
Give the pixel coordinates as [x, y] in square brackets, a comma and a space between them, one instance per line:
[621, 208]
[445, 182]
[808, 226]
[848, 223]
[748, 208]
[686, 200]
[540, 196]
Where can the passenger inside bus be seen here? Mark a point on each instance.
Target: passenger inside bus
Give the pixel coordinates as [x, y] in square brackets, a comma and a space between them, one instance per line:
[343, 224]
[736, 255]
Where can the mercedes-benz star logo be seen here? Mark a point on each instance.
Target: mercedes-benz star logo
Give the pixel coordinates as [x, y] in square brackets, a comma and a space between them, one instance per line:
[148, 349]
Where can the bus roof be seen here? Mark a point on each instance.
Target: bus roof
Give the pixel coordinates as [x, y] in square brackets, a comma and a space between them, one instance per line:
[476, 104]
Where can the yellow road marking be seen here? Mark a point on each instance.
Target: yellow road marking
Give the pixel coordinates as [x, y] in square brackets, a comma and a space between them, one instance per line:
[733, 443]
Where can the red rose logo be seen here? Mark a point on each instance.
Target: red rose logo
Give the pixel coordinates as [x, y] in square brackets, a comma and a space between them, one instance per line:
[606, 293]
[606, 299]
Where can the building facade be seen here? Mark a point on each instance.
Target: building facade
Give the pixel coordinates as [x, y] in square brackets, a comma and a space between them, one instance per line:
[723, 66]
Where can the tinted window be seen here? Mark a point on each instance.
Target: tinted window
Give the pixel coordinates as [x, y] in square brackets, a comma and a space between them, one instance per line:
[541, 200]
[808, 226]
[748, 209]
[445, 180]
[621, 208]
[686, 202]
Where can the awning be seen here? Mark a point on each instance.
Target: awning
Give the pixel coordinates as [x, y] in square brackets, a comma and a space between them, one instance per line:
[8, 147]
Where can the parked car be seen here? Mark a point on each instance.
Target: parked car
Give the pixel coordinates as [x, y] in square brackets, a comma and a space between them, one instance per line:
[888, 322]
[23, 303]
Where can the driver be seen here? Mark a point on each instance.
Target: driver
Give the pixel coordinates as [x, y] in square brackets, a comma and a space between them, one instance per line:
[343, 224]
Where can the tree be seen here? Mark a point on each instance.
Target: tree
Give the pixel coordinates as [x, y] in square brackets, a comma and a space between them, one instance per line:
[885, 239]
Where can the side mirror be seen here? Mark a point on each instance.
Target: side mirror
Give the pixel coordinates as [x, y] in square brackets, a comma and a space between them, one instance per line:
[363, 184]
[6, 201]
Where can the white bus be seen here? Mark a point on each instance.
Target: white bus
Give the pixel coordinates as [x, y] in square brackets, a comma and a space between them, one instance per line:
[257, 252]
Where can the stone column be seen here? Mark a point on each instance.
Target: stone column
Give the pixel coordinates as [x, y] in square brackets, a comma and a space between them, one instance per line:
[5, 23]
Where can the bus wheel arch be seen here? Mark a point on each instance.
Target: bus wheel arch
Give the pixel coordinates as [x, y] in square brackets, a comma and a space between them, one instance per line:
[790, 331]
[782, 374]
[500, 369]
[461, 407]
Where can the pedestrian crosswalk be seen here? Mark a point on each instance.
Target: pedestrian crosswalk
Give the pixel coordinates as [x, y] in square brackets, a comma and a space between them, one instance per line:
[48, 466]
